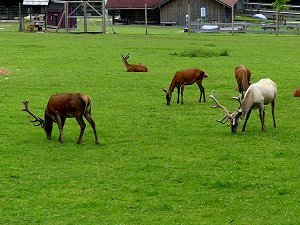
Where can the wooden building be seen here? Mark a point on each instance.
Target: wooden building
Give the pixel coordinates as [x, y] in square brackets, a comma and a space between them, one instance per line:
[171, 11]
[133, 11]
[56, 16]
[175, 11]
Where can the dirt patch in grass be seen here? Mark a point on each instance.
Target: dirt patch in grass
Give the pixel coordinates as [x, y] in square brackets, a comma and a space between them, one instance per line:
[4, 71]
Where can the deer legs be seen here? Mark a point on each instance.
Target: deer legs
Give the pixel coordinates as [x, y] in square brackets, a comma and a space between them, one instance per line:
[202, 91]
[92, 123]
[60, 124]
[273, 106]
[262, 119]
[180, 91]
[261, 116]
[247, 117]
[82, 128]
[240, 87]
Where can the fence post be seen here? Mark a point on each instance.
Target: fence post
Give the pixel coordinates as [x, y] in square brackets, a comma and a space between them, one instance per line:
[146, 19]
[277, 12]
[189, 18]
[232, 19]
[21, 19]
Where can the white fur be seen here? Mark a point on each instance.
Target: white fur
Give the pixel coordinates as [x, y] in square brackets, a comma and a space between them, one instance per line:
[264, 91]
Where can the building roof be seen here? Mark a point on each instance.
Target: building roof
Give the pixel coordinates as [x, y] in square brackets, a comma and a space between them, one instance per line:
[132, 4]
[35, 2]
[140, 4]
[228, 3]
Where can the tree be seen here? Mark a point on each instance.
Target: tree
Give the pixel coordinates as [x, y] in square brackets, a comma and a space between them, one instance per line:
[279, 5]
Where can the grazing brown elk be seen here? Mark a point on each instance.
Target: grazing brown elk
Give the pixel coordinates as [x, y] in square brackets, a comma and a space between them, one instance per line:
[133, 67]
[186, 77]
[62, 106]
[242, 76]
[297, 92]
[257, 96]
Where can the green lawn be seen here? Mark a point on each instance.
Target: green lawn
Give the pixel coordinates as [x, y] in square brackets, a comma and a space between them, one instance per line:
[156, 164]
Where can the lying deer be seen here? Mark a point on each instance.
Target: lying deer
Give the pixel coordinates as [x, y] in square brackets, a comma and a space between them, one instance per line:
[62, 106]
[297, 92]
[133, 67]
[257, 96]
[186, 77]
[242, 76]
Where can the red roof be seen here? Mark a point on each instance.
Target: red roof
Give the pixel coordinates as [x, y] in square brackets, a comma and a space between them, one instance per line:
[132, 4]
[140, 4]
[228, 3]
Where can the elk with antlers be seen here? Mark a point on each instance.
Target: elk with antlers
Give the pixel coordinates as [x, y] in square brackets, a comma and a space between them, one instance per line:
[242, 76]
[186, 77]
[257, 96]
[133, 67]
[62, 106]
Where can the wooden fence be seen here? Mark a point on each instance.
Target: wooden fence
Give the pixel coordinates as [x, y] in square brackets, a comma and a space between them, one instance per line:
[241, 27]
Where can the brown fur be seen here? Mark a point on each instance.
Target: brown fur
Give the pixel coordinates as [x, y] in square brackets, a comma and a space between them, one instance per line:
[133, 67]
[242, 76]
[62, 106]
[186, 77]
[297, 92]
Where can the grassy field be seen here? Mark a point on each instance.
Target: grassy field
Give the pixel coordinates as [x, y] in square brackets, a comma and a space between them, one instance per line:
[156, 164]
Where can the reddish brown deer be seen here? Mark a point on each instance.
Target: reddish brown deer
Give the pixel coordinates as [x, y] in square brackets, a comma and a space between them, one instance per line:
[133, 67]
[242, 76]
[186, 77]
[257, 96]
[297, 92]
[62, 106]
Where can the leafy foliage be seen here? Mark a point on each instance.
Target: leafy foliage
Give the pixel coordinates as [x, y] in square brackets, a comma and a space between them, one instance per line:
[280, 4]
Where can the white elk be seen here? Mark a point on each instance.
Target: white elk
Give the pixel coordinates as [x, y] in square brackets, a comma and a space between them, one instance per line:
[257, 96]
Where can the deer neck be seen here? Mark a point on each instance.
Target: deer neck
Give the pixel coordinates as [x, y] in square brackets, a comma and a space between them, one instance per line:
[246, 103]
[172, 86]
[126, 64]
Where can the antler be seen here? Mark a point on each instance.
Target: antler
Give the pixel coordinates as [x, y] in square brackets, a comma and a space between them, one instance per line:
[238, 98]
[37, 120]
[126, 57]
[227, 113]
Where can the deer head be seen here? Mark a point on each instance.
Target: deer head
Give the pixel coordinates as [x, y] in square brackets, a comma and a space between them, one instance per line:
[168, 96]
[37, 121]
[232, 119]
[125, 58]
